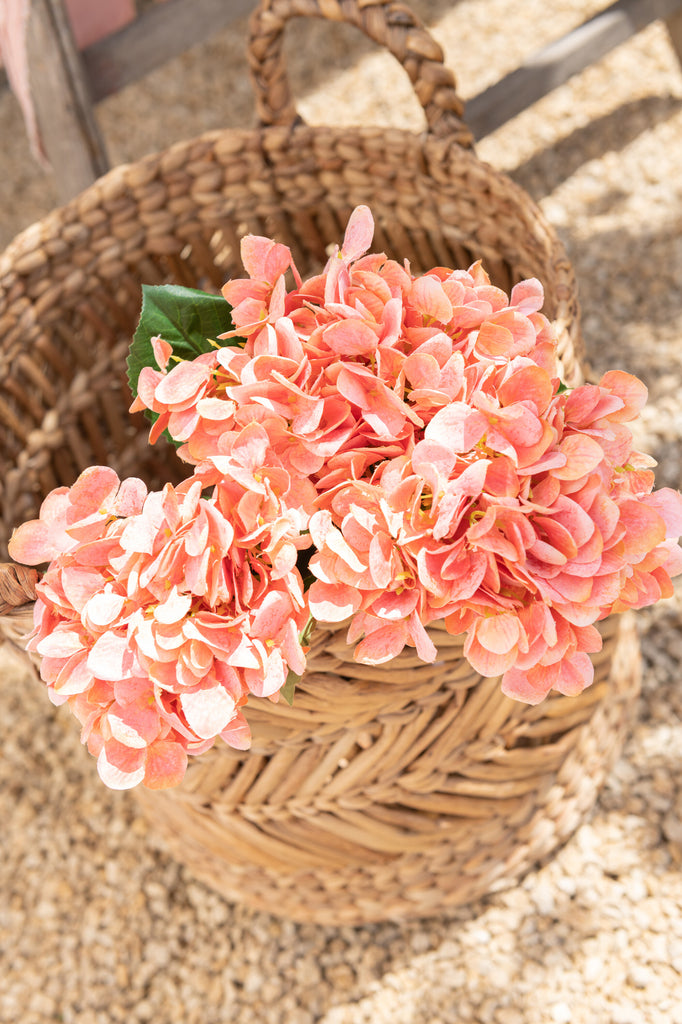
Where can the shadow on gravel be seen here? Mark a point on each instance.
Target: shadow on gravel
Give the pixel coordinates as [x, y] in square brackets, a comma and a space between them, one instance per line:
[545, 170]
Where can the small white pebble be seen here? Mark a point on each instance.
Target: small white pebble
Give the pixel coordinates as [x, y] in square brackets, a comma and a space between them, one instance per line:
[567, 885]
[594, 966]
[625, 1013]
[637, 890]
[561, 1013]
[640, 976]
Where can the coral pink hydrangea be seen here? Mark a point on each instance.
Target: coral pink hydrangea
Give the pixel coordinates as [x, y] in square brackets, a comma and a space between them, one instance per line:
[155, 622]
[373, 447]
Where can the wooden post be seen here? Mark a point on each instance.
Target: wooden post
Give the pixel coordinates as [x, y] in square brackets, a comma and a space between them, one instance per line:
[157, 34]
[61, 99]
[557, 62]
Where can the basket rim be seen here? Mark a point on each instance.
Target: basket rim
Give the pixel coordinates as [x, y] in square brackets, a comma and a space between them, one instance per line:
[132, 175]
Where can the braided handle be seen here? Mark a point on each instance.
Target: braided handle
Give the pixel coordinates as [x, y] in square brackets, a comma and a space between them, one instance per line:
[387, 22]
[17, 586]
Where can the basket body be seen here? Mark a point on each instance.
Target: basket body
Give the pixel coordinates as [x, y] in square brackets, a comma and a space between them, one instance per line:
[400, 791]
[423, 787]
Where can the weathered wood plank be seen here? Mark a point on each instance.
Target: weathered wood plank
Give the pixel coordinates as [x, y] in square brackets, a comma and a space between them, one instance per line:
[555, 64]
[153, 38]
[60, 94]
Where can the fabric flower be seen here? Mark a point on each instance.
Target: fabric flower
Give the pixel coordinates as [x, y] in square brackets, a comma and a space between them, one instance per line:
[154, 624]
[373, 447]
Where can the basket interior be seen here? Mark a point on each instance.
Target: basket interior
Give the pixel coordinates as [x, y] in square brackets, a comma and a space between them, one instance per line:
[70, 287]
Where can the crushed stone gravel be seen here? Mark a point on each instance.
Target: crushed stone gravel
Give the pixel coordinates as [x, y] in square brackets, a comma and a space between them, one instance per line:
[97, 924]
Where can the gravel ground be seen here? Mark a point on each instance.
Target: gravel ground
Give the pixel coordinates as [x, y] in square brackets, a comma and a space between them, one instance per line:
[97, 924]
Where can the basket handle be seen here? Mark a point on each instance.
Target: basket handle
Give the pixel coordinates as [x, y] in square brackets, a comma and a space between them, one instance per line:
[17, 586]
[389, 23]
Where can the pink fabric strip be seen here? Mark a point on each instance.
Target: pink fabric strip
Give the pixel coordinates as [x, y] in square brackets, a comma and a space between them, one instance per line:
[90, 22]
[13, 23]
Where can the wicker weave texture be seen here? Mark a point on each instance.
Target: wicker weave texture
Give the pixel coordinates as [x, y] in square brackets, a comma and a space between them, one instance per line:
[383, 792]
[393, 792]
[396, 792]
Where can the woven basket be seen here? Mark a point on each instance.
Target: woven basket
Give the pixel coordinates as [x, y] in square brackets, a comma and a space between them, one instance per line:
[384, 792]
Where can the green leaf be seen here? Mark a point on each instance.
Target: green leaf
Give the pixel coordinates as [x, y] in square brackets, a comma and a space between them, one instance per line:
[562, 388]
[287, 691]
[307, 631]
[293, 679]
[187, 318]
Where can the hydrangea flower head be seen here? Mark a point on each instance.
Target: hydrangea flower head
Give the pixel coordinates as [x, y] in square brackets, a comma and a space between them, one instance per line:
[374, 447]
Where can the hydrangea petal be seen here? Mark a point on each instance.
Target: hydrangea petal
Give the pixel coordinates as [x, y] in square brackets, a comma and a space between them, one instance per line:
[114, 777]
[267, 682]
[644, 528]
[125, 733]
[628, 388]
[74, 676]
[527, 296]
[498, 633]
[426, 649]
[95, 489]
[182, 383]
[237, 734]
[668, 504]
[429, 298]
[166, 765]
[351, 337]
[33, 543]
[517, 685]
[576, 673]
[174, 608]
[108, 657]
[333, 602]
[208, 710]
[359, 233]
[103, 608]
[458, 427]
[382, 644]
[62, 643]
[583, 455]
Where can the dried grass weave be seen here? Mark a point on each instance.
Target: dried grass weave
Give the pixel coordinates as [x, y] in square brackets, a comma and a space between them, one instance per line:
[383, 792]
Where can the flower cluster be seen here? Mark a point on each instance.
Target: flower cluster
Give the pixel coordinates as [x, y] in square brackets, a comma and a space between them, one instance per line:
[377, 447]
[157, 618]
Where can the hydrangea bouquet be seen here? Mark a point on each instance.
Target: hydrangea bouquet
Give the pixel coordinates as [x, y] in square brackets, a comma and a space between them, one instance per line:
[367, 446]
